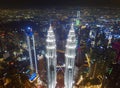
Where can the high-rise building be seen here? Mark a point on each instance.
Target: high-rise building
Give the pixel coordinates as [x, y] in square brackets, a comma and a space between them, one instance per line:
[78, 19]
[29, 34]
[51, 58]
[70, 58]
[78, 14]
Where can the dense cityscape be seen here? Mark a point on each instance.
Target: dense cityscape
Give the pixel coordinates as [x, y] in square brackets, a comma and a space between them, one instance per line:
[70, 47]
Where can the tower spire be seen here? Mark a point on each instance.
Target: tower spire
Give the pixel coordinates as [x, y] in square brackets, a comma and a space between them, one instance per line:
[72, 26]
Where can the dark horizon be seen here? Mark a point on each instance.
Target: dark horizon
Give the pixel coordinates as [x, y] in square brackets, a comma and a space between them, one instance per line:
[61, 3]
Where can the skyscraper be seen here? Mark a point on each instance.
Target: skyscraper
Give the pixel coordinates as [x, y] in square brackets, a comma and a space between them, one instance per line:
[51, 58]
[29, 34]
[70, 58]
[78, 14]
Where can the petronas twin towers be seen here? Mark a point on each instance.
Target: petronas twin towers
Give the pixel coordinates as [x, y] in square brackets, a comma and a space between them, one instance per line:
[52, 58]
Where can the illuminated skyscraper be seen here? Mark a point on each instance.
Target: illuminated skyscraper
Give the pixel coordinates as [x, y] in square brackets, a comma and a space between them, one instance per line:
[92, 35]
[51, 58]
[78, 19]
[70, 58]
[30, 35]
[78, 14]
[109, 41]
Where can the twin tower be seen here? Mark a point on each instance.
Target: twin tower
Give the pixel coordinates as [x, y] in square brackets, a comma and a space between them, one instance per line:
[52, 58]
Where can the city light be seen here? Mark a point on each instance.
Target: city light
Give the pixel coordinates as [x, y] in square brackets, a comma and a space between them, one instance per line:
[71, 47]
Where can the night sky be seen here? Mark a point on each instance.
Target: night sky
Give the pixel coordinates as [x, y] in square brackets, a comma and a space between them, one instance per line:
[39, 3]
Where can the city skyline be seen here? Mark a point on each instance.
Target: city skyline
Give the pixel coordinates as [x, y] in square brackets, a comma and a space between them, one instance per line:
[95, 60]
